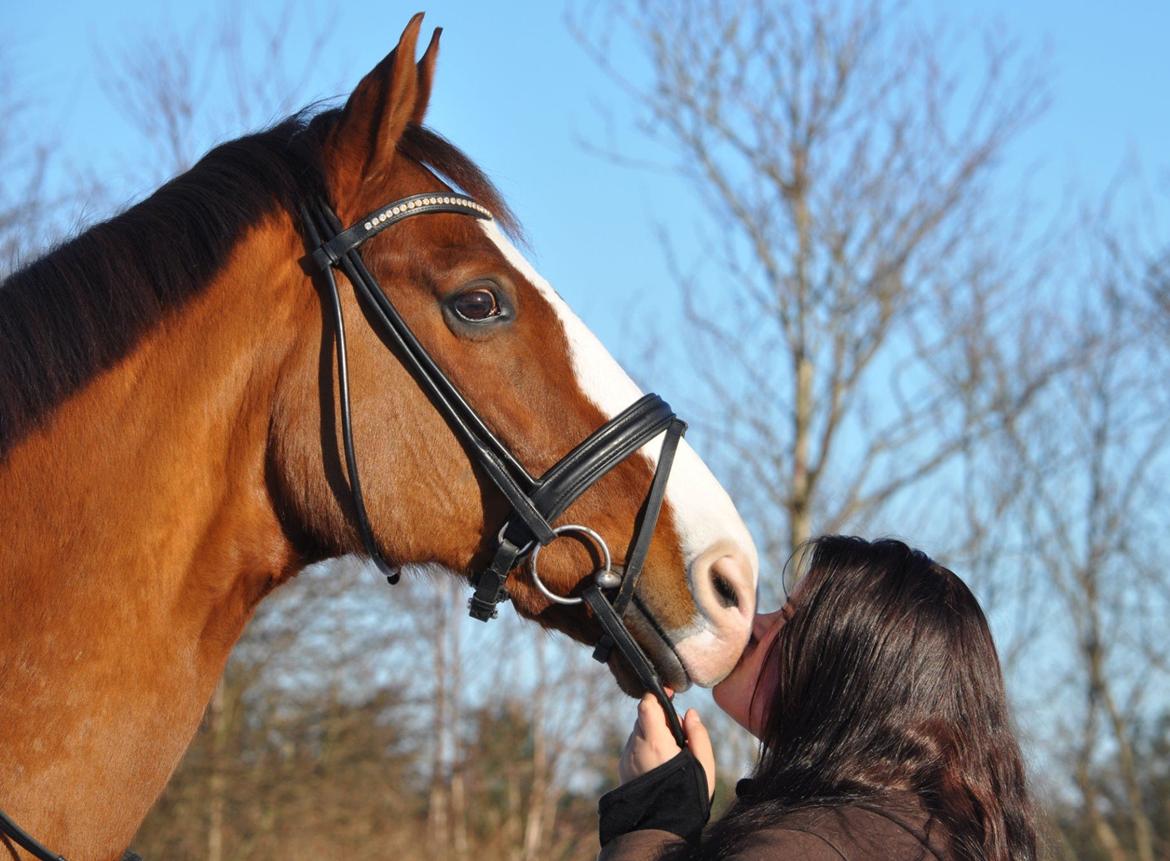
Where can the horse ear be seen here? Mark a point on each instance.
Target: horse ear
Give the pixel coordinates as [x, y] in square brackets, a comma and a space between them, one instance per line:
[426, 77]
[373, 119]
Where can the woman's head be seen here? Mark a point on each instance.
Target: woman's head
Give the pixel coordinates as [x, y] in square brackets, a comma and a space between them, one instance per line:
[881, 674]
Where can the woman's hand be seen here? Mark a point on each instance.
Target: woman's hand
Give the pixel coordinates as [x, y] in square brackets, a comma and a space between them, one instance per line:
[651, 743]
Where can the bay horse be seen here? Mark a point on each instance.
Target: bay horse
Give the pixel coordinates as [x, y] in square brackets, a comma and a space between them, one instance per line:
[170, 453]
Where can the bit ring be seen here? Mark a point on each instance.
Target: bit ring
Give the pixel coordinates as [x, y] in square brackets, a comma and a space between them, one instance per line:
[561, 530]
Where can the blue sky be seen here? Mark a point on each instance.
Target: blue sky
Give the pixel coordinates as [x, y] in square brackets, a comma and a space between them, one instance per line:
[518, 94]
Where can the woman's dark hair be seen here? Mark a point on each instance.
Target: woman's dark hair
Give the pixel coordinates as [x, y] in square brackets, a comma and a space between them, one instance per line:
[887, 679]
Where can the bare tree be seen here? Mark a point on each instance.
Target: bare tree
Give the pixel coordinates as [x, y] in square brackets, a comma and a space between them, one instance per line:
[441, 622]
[1096, 457]
[1157, 282]
[843, 166]
[25, 199]
[888, 340]
[164, 83]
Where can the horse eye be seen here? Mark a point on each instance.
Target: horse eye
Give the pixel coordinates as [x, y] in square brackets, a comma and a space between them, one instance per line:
[476, 305]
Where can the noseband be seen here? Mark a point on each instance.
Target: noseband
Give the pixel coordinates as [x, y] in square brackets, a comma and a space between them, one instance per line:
[535, 502]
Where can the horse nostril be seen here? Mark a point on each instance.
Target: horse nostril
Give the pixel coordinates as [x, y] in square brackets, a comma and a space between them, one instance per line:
[727, 595]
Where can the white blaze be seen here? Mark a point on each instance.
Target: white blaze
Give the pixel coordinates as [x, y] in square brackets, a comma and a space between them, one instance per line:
[704, 515]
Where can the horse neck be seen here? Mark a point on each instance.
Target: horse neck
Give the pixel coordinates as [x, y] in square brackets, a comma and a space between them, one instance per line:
[138, 539]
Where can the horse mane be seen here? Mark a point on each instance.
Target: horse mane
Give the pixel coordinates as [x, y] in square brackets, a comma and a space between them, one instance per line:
[83, 306]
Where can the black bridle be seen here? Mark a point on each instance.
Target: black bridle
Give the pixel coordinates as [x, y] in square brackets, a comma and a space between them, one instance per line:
[535, 502]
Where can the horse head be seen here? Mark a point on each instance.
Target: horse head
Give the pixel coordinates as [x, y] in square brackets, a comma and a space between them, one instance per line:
[527, 364]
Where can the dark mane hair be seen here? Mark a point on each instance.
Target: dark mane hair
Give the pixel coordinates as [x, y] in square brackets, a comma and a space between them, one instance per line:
[887, 679]
[76, 311]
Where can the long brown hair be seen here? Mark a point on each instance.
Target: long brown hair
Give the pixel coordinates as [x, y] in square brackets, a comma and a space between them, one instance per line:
[887, 679]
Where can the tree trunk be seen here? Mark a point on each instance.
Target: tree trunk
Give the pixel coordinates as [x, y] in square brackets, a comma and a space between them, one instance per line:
[800, 504]
[458, 789]
[512, 836]
[217, 781]
[459, 814]
[537, 800]
[437, 818]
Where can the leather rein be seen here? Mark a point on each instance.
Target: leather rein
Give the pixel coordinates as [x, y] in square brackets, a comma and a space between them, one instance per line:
[535, 501]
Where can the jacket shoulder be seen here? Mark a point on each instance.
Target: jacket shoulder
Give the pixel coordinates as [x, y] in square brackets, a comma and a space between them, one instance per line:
[860, 832]
[781, 841]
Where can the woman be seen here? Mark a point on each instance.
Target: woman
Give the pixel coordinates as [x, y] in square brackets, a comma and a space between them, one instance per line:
[879, 703]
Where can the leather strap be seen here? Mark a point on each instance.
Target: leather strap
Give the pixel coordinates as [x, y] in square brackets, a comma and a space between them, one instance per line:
[491, 454]
[489, 583]
[608, 446]
[351, 467]
[535, 503]
[644, 529]
[609, 616]
[611, 623]
[643, 532]
[25, 841]
[565, 481]
[331, 252]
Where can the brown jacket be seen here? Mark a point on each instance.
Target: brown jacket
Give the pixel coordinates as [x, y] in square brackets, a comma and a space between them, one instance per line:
[896, 828]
